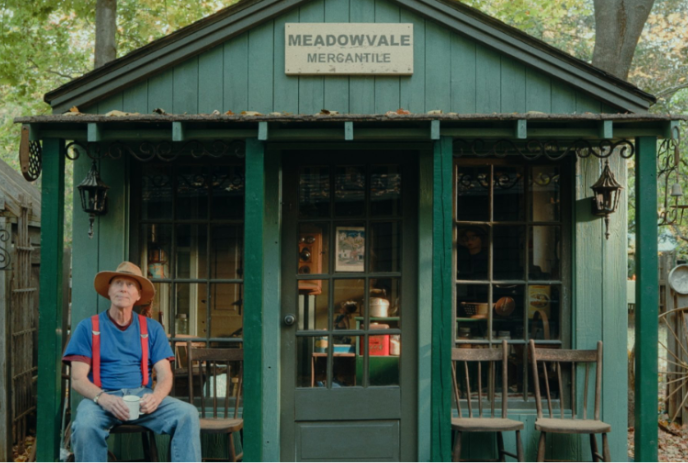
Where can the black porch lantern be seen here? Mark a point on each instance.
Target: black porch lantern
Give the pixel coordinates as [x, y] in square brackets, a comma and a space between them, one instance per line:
[607, 192]
[93, 193]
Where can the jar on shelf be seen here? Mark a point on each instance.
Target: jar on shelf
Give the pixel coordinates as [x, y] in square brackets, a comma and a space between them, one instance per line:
[181, 324]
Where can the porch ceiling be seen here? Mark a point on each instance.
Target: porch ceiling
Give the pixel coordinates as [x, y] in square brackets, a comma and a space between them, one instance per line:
[286, 127]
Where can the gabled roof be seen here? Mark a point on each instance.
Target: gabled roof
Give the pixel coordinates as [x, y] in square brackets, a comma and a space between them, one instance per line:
[202, 35]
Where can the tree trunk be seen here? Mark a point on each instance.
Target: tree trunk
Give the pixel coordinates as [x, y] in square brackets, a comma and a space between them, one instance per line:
[618, 25]
[106, 27]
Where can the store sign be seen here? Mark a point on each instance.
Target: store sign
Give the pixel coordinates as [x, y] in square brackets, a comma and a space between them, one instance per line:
[348, 49]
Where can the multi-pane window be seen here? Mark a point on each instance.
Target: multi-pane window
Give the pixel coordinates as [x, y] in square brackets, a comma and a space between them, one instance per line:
[189, 240]
[511, 232]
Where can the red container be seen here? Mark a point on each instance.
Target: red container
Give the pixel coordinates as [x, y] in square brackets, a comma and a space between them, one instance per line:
[377, 345]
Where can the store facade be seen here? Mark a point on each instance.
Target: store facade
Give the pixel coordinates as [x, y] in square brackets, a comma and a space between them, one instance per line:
[347, 250]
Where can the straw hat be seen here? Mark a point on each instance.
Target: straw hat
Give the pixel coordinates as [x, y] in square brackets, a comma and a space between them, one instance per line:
[126, 269]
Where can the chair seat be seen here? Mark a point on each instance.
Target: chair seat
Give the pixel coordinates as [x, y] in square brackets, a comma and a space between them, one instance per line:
[558, 425]
[485, 424]
[221, 425]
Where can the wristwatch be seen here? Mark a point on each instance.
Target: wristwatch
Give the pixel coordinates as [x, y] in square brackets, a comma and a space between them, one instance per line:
[95, 399]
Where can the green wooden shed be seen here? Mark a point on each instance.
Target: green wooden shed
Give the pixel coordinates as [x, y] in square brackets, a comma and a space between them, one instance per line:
[308, 179]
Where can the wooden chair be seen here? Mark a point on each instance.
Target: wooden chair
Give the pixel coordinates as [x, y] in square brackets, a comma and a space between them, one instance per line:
[494, 423]
[211, 363]
[150, 448]
[571, 425]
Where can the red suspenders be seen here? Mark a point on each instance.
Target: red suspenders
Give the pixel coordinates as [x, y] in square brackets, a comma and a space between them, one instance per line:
[95, 346]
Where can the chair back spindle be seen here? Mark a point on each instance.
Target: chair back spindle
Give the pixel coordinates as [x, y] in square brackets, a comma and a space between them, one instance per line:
[573, 358]
[477, 357]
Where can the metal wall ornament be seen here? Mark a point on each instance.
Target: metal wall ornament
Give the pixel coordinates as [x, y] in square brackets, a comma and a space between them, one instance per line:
[553, 150]
[4, 250]
[30, 156]
[669, 160]
[166, 151]
[93, 193]
[607, 192]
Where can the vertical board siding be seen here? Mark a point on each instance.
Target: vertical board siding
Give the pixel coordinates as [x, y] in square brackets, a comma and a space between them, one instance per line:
[513, 83]
[210, 81]
[412, 88]
[462, 75]
[488, 93]
[236, 74]
[386, 87]
[337, 88]
[437, 67]
[260, 84]
[538, 91]
[135, 99]
[452, 72]
[185, 96]
[311, 88]
[362, 88]
[615, 321]
[160, 90]
[286, 92]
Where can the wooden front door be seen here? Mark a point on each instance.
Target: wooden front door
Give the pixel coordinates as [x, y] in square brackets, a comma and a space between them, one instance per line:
[349, 306]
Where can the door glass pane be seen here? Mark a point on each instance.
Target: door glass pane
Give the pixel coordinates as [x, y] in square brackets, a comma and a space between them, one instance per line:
[473, 193]
[545, 245]
[384, 300]
[471, 301]
[508, 312]
[227, 307]
[544, 303]
[314, 306]
[383, 368]
[508, 252]
[156, 192]
[345, 362]
[311, 361]
[226, 251]
[192, 193]
[192, 251]
[545, 194]
[348, 302]
[314, 192]
[191, 303]
[385, 247]
[228, 186]
[472, 252]
[350, 248]
[385, 190]
[349, 191]
[313, 248]
[156, 249]
[508, 193]
[162, 305]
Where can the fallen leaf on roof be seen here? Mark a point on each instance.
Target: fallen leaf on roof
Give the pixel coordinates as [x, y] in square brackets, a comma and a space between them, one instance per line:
[215, 113]
[327, 112]
[116, 113]
[403, 111]
[435, 112]
[74, 109]
[535, 112]
[229, 113]
[159, 111]
[250, 113]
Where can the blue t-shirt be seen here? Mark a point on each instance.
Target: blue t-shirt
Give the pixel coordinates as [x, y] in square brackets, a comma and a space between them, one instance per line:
[120, 351]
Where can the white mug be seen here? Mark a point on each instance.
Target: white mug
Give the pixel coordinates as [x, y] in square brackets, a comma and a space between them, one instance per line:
[133, 402]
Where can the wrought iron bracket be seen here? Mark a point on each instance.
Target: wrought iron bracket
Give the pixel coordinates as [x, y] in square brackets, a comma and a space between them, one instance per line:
[156, 151]
[548, 149]
[5, 259]
[668, 165]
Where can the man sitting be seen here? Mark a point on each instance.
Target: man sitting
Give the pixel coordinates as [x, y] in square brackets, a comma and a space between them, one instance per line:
[111, 356]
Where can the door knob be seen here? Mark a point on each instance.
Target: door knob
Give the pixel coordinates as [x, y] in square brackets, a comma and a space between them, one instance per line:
[289, 319]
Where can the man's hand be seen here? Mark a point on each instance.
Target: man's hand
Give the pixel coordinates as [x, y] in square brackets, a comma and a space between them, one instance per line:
[114, 405]
[150, 402]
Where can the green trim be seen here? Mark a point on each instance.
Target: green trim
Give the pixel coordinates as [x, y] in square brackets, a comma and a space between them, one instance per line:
[647, 295]
[271, 306]
[434, 130]
[521, 129]
[50, 314]
[442, 291]
[178, 131]
[607, 129]
[253, 300]
[262, 131]
[348, 131]
[94, 133]
[425, 251]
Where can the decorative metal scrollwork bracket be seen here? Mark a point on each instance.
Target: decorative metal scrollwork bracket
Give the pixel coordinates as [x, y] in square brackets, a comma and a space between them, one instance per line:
[30, 156]
[668, 165]
[547, 149]
[4, 251]
[147, 151]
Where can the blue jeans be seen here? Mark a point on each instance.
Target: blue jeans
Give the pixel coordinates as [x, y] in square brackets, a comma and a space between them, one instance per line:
[179, 419]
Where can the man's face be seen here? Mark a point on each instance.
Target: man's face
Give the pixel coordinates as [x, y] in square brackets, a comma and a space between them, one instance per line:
[124, 292]
[473, 242]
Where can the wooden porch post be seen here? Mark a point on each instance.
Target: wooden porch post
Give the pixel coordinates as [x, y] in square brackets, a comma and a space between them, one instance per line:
[442, 291]
[50, 311]
[253, 300]
[647, 300]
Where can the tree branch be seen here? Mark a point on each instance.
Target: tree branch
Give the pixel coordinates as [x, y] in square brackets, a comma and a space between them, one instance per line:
[57, 73]
[677, 232]
[667, 93]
